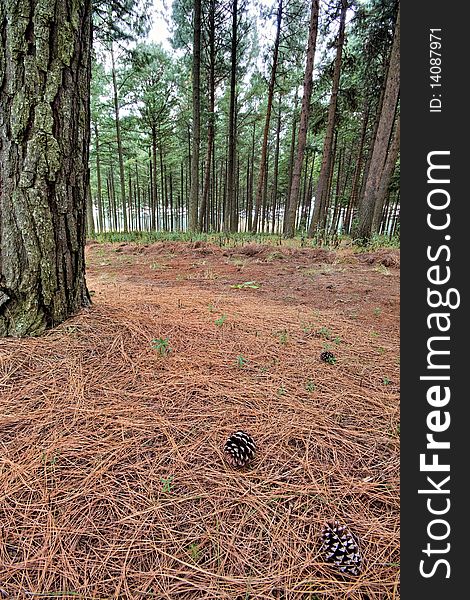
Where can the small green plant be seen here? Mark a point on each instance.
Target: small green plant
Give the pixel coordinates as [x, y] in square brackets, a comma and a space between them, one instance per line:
[221, 320]
[310, 387]
[167, 482]
[337, 340]
[324, 332]
[194, 551]
[281, 391]
[162, 346]
[282, 336]
[241, 362]
[386, 380]
[377, 311]
[381, 350]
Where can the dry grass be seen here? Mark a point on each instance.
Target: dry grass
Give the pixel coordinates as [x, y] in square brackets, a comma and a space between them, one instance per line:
[112, 477]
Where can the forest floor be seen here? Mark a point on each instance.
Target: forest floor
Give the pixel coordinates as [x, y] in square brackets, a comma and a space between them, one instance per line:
[113, 482]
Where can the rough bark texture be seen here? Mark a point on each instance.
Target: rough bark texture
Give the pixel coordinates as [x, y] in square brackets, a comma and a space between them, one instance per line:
[363, 229]
[319, 217]
[44, 143]
[193, 200]
[303, 127]
[382, 190]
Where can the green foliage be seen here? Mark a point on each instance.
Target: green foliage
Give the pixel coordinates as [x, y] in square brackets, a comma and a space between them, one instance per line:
[167, 483]
[241, 362]
[162, 346]
[310, 386]
[221, 320]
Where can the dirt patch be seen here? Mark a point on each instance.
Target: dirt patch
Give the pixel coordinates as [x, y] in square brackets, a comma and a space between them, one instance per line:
[112, 473]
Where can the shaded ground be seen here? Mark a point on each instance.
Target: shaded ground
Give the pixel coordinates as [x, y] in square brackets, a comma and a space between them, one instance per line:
[112, 478]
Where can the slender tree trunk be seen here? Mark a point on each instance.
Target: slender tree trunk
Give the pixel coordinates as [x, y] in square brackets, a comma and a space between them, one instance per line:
[122, 178]
[44, 148]
[276, 163]
[321, 198]
[193, 202]
[381, 146]
[99, 200]
[291, 167]
[229, 224]
[153, 183]
[90, 222]
[249, 204]
[303, 127]
[389, 167]
[264, 148]
[357, 170]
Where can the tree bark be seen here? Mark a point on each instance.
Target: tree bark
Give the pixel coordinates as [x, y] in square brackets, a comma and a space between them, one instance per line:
[229, 224]
[194, 193]
[363, 229]
[264, 148]
[387, 173]
[98, 180]
[44, 147]
[204, 219]
[321, 199]
[303, 127]
[122, 177]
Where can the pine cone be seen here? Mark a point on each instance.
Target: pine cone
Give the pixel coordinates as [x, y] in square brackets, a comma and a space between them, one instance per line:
[328, 357]
[340, 547]
[240, 449]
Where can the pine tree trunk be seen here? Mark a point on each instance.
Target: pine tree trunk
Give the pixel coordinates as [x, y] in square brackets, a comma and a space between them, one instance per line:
[321, 198]
[98, 180]
[229, 224]
[387, 173]
[293, 196]
[382, 140]
[276, 164]
[90, 222]
[193, 201]
[44, 146]
[357, 170]
[264, 148]
[122, 177]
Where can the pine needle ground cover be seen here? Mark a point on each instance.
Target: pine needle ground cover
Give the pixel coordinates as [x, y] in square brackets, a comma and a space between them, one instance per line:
[113, 480]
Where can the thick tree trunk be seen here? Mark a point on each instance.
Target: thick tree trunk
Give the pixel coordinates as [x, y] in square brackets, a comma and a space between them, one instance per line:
[193, 201]
[303, 127]
[44, 178]
[382, 140]
[264, 148]
[321, 198]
